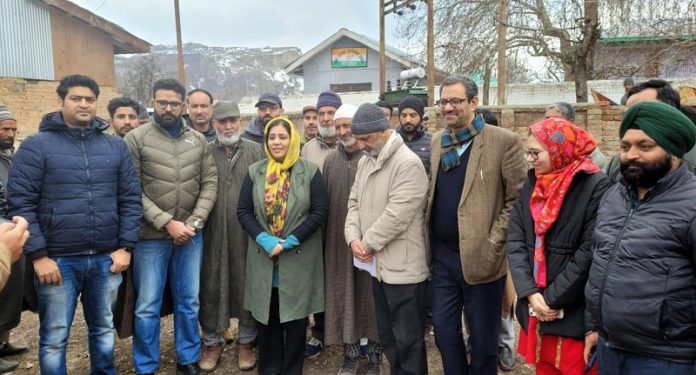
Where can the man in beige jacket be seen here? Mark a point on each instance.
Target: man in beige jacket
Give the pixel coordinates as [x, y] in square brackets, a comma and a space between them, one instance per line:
[384, 228]
[12, 239]
[476, 173]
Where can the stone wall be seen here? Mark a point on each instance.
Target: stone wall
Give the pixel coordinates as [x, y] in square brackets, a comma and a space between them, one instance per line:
[29, 100]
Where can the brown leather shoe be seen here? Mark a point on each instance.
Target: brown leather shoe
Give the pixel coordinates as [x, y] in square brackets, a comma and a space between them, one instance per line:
[211, 358]
[246, 356]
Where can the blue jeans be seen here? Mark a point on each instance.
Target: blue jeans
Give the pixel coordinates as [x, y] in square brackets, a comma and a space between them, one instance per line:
[87, 277]
[153, 260]
[482, 303]
[612, 361]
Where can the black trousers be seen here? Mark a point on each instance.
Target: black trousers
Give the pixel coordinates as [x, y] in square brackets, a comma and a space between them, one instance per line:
[280, 345]
[482, 303]
[401, 325]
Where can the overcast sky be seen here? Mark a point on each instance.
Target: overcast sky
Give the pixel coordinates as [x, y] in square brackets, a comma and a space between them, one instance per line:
[244, 23]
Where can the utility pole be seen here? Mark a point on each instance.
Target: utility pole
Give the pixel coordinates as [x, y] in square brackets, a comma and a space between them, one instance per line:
[397, 6]
[382, 58]
[179, 47]
[431, 54]
[502, 47]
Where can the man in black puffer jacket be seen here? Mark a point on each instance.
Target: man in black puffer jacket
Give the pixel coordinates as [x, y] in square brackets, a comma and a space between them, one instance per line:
[416, 137]
[641, 292]
[77, 187]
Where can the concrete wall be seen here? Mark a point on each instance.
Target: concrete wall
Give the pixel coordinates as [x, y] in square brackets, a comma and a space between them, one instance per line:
[319, 75]
[29, 100]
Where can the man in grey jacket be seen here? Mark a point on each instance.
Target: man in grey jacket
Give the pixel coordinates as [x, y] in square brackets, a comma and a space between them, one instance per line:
[179, 184]
[385, 232]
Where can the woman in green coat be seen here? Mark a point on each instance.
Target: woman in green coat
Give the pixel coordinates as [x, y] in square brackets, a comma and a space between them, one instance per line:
[282, 205]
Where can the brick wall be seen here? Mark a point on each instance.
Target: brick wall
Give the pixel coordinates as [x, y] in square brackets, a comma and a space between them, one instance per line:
[603, 122]
[29, 100]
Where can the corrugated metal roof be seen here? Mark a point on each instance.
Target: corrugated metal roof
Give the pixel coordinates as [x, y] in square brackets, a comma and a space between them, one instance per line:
[25, 40]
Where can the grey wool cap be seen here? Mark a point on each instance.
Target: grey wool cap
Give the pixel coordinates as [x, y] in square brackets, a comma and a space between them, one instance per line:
[5, 113]
[369, 119]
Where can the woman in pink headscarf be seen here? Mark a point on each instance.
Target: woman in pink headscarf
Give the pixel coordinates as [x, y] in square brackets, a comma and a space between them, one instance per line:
[549, 244]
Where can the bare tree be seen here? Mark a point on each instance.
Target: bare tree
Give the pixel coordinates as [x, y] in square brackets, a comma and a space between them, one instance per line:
[136, 81]
[563, 32]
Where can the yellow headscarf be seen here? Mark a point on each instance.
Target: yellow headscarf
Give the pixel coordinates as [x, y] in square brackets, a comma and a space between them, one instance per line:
[277, 183]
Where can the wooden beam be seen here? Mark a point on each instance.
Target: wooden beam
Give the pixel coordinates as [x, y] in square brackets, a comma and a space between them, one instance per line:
[179, 46]
[382, 48]
[431, 54]
[502, 48]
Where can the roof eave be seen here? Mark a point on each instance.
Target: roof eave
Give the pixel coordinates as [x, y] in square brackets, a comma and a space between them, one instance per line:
[124, 42]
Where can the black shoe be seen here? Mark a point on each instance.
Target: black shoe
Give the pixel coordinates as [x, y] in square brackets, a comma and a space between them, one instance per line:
[350, 366]
[190, 369]
[12, 349]
[374, 364]
[506, 360]
[7, 366]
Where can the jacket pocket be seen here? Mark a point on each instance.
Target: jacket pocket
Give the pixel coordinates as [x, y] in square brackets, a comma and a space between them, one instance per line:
[678, 319]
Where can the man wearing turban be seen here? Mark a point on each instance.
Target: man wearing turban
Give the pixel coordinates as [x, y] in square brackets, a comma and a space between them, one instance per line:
[640, 292]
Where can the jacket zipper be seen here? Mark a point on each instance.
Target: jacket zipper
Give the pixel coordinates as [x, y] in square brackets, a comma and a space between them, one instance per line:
[611, 263]
[178, 177]
[89, 191]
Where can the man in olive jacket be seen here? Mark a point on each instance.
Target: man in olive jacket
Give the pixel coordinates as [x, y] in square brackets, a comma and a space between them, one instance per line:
[179, 183]
[384, 227]
[477, 171]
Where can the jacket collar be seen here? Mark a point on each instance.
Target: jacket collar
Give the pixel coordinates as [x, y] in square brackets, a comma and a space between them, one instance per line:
[189, 123]
[393, 143]
[54, 122]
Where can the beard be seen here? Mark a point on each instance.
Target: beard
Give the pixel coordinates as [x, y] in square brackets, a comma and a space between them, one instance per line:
[227, 140]
[167, 123]
[327, 132]
[645, 175]
[265, 119]
[6, 143]
[350, 142]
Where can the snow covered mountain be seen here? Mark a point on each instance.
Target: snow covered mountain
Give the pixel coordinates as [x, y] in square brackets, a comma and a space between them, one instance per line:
[227, 72]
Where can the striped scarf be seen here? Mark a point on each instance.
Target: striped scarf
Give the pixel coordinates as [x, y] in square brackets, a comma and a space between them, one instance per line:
[451, 140]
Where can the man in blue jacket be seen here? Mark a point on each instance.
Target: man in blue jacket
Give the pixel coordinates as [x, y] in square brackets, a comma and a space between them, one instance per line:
[77, 187]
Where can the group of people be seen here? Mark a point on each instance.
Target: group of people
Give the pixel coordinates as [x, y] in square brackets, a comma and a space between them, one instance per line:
[366, 229]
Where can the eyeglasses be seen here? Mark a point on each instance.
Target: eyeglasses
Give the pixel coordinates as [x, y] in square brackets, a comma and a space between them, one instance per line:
[454, 102]
[268, 107]
[162, 104]
[532, 154]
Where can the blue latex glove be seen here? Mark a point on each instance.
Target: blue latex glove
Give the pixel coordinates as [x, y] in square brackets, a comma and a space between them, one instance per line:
[290, 242]
[267, 242]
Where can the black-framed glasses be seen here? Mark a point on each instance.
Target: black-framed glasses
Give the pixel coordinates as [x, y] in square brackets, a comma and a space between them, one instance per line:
[454, 102]
[532, 154]
[162, 104]
[268, 107]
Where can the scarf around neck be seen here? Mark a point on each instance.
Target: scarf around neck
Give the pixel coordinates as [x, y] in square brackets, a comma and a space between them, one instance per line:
[277, 182]
[451, 140]
[569, 149]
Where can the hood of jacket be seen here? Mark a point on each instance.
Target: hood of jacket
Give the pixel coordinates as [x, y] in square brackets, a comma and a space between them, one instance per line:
[255, 127]
[54, 122]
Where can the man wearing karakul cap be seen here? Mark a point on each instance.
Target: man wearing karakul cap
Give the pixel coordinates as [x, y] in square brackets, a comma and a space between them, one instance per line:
[384, 225]
[641, 287]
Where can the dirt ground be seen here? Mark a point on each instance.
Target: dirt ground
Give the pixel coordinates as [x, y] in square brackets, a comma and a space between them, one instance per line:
[78, 358]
